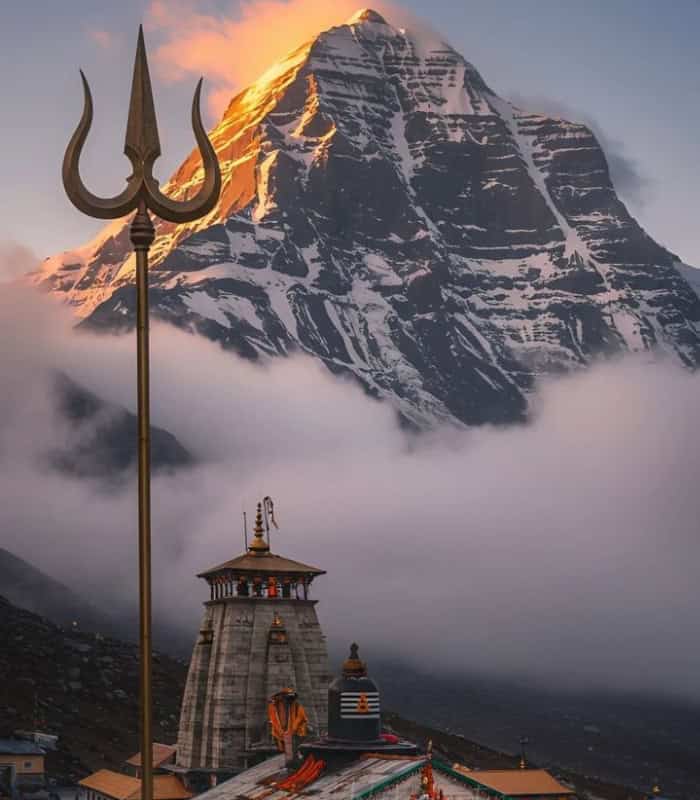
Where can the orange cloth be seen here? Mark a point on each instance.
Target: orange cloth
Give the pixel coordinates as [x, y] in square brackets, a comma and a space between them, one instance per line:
[307, 773]
[296, 724]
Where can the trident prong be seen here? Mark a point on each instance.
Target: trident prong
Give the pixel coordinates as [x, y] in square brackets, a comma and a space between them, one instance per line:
[142, 148]
[84, 200]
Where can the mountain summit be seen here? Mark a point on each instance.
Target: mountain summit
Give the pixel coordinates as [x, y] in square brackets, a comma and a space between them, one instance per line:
[385, 211]
[366, 15]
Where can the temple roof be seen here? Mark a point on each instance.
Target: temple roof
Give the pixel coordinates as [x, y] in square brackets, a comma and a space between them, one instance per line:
[364, 775]
[259, 560]
[516, 782]
[372, 774]
[20, 747]
[263, 564]
[112, 784]
[124, 787]
[160, 752]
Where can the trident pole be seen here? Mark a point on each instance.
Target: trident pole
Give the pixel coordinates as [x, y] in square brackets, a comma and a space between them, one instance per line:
[142, 148]
[142, 235]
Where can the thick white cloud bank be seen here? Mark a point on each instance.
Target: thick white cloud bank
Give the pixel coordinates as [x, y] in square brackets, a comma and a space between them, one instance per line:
[564, 551]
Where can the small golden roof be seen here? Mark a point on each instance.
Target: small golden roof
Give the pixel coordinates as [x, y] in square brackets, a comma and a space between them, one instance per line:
[161, 753]
[259, 546]
[354, 666]
[516, 782]
[116, 786]
[112, 784]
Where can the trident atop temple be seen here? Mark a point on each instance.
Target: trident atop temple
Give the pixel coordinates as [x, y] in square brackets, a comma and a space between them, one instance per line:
[142, 148]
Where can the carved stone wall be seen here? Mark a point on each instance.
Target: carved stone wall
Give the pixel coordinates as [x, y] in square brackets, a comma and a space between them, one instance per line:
[224, 708]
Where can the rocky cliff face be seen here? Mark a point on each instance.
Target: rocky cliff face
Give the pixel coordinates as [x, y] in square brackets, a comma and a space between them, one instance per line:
[386, 212]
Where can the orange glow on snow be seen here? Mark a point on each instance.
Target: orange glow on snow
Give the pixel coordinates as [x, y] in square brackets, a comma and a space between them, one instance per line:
[232, 51]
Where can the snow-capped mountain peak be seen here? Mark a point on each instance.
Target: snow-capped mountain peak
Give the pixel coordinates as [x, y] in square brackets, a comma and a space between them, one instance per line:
[385, 211]
[368, 15]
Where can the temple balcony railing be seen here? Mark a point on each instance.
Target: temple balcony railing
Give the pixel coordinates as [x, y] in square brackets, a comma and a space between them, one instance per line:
[259, 587]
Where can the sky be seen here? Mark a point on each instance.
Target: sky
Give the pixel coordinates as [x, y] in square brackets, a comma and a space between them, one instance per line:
[631, 69]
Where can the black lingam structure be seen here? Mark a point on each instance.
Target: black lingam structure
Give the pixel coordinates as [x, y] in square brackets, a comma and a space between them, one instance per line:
[353, 703]
[354, 718]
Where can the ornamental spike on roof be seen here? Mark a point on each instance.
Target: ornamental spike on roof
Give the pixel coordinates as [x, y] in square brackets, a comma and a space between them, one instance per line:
[259, 545]
[259, 560]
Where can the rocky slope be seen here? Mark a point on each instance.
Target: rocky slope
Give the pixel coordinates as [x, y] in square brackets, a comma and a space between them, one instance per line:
[616, 737]
[385, 211]
[29, 588]
[26, 586]
[82, 687]
[456, 748]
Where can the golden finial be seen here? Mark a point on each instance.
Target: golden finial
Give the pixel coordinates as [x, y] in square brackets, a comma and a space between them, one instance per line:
[354, 667]
[259, 546]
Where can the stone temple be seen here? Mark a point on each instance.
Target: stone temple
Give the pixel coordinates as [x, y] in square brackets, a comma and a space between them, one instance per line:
[357, 760]
[259, 635]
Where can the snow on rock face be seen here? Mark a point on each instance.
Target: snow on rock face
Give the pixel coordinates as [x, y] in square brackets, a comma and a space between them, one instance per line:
[385, 211]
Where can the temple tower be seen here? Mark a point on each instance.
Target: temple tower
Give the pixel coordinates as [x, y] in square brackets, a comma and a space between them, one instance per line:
[259, 635]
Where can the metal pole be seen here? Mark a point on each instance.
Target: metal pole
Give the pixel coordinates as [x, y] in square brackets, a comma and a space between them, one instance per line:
[142, 148]
[142, 234]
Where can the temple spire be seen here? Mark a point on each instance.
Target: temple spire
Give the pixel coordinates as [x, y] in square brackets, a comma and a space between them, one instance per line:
[259, 545]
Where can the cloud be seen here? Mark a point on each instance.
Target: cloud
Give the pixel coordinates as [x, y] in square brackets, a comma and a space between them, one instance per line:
[16, 260]
[627, 173]
[102, 38]
[563, 551]
[234, 46]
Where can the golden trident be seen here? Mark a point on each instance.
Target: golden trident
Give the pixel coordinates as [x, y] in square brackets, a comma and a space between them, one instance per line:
[142, 148]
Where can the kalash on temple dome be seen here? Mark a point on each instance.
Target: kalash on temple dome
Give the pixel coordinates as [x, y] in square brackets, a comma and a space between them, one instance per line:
[263, 719]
